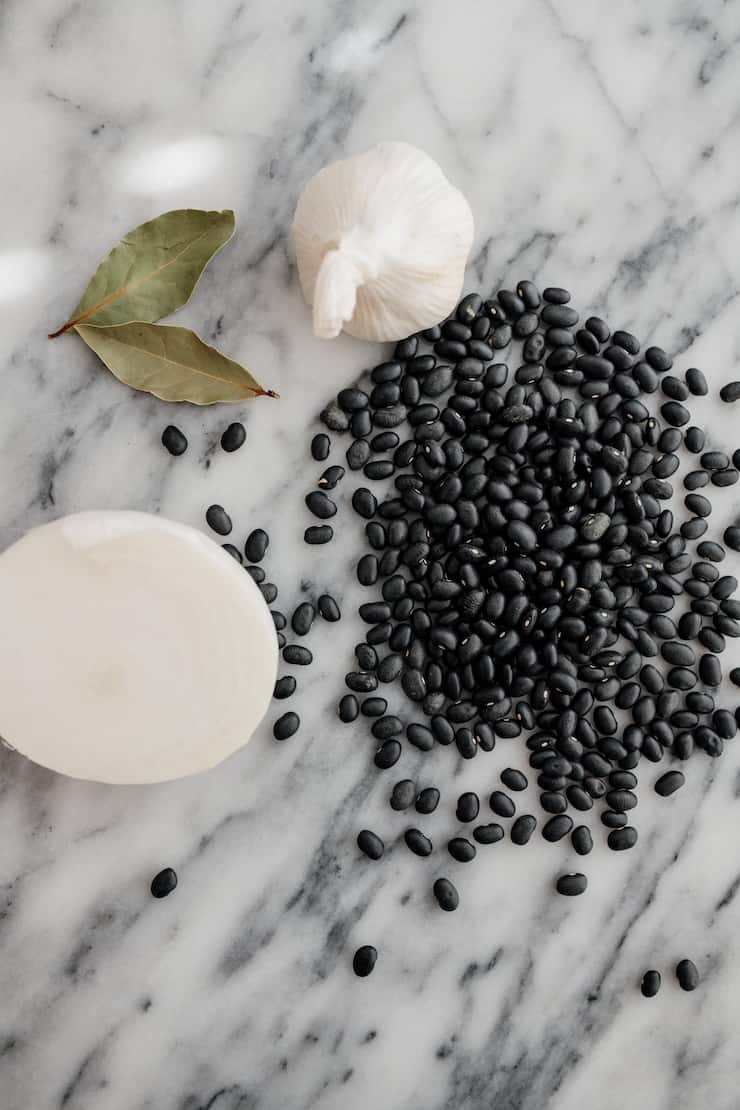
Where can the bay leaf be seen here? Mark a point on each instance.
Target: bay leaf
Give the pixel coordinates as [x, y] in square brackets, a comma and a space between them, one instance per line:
[153, 270]
[173, 363]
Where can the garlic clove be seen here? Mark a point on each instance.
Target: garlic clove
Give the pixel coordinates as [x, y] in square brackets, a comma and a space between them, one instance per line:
[381, 243]
[135, 649]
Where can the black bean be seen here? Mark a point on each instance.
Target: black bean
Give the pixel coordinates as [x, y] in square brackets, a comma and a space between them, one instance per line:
[403, 794]
[361, 682]
[234, 437]
[318, 534]
[581, 840]
[269, 591]
[696, 479]
[256, 545]
[522, 829]
[163, 883]
[501, 804]
[320, 505]
[234, 552]
[571, 884]
[256, 573]
[303, 618]
[320, 447]
[468, 807]
[557, 827]
[696, 382]
[357, 454]
[650, 984]
[328, 608]
[352, 399]
[724, 478]
[730, 392]
[621, 839]
[174, 440]
[284, 687]
[513, 779]
[732, 537]
[387, 754]
[370, 843]
[335, 419]
[364, 960]
[658, 359]
[488, 834]
[348, 708]
[461, 849]
[675, 413]
[374, 707]
[286, 726]
[446, 895]
[219, 520]
[420, 736]
[364, 502]
[710, 670]
[417, 842]
[687, 975]
[386, 727]
[331, 477]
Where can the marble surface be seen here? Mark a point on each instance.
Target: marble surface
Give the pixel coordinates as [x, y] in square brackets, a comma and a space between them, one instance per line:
[598, 147]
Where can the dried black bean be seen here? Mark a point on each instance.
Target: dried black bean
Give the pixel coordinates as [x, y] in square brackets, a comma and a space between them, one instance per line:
[446, 895]
[370, 844]
[364, 960]
[219, 520]
[174, 440]
[650, 984]
[687, 975]
[163, 883]
[234, 436]
[286, 726]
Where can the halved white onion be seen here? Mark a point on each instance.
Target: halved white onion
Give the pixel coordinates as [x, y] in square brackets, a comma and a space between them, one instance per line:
[133, 649]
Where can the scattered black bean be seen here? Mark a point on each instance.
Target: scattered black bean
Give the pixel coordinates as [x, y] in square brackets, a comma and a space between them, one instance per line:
[730, 392]
[219, 520]
[234, 437]
[297, 655]
[328, 608]
[571, 884]
[446, 895]
[303, 618]
[174, 440]
[284, 687]
[256, 545]
[348, 709]
[163, 883]
[669, 783]
[364, 960]
[468, 807]
[650, 984]
[331, 477]
[522, 829]
[320, 505]
[417, 842]
[318, 533]
[427, 800]
[370, 843]
[687, 975]
[234, 552]
[286, 726]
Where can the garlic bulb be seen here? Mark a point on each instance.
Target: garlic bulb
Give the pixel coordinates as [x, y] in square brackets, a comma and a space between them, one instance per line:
[381, 241]
[135, 649]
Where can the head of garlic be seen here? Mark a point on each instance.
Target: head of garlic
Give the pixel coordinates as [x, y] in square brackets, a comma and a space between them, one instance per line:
[381, 242]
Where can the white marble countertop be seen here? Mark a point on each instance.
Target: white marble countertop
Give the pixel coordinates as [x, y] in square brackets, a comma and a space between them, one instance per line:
[597, 144]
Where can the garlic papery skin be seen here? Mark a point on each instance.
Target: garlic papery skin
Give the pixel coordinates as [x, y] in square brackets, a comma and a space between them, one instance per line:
[134, 650]
[381, 242]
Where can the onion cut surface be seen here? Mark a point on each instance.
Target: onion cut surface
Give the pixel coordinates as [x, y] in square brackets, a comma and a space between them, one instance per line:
[134, 649]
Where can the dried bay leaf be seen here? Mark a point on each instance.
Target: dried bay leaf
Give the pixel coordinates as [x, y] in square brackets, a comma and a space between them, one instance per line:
[153, 270]
[173, 363]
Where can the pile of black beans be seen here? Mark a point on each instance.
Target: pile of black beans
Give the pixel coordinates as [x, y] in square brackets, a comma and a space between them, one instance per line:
[531, 575]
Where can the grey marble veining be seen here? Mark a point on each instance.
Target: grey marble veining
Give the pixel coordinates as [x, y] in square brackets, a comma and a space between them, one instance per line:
[598, 147]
